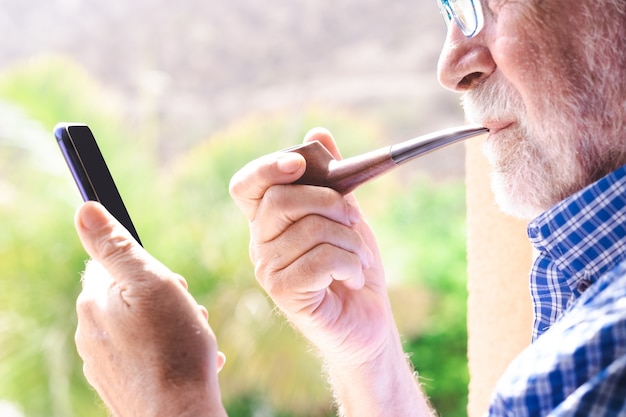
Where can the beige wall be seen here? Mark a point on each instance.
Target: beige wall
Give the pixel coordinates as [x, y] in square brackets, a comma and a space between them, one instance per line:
[499, 258]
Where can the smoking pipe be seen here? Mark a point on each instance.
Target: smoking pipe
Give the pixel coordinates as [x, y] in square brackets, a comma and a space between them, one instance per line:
[345, 175]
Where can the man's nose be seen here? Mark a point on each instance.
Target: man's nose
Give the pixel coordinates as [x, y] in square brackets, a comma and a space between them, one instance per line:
[464, 62]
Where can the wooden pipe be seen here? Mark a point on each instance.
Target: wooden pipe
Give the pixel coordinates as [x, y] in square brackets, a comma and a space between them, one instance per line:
[345, 175]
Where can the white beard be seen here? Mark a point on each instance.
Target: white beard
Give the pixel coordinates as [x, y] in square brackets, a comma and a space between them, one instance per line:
[535, 165]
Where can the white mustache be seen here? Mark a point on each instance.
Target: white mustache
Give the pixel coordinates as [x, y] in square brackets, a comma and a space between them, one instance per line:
[492, 101]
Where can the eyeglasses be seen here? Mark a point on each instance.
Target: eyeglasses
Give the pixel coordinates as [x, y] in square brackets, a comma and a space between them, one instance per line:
[468, 15]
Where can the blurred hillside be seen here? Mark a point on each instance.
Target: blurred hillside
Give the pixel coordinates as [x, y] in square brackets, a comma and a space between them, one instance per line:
[191, 67]
[210, 85]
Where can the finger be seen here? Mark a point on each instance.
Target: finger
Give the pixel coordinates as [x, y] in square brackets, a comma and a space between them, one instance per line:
[325, 138]
[305, 236]
[85, 321]
[305, 283]
[221, 360]
[89, 377]
[285, 205]
[182, 281]
[248, 186]
[91, 304]
[204, 312]
[95, 279]
[113, 247]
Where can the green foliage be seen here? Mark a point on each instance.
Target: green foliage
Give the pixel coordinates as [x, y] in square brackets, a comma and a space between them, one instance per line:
[421, 232]
[186, 218]
[39, 252]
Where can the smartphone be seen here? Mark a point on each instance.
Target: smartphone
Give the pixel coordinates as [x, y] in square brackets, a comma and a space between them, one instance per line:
[90, 171]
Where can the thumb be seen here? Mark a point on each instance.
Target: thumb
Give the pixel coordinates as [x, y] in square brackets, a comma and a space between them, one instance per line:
[108, 242]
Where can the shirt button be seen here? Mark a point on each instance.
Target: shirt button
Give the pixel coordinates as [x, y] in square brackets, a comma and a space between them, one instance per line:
[582, 285]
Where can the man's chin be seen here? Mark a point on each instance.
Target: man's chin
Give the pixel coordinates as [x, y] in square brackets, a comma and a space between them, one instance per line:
[514, 201]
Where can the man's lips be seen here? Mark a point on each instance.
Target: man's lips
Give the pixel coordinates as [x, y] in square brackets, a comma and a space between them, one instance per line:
[496, 126]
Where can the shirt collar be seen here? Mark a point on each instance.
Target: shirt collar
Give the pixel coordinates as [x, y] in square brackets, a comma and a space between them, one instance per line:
[585, 234]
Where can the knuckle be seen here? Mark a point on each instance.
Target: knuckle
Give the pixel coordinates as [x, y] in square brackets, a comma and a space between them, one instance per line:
[114, 245]
[316, 230]
[84, 305]
[272, 196]
[181, 280]
[268, 278]
[233, 185]
[253, 250]
[281, 200]
[78, 340]
[261, 271]
[236, 185]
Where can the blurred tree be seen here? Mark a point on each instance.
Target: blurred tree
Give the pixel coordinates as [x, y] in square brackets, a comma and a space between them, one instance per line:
[39, 252]
[185, 217]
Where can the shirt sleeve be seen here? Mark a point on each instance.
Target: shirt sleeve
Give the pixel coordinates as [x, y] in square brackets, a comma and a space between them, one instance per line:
[577, 367]
[603, 395]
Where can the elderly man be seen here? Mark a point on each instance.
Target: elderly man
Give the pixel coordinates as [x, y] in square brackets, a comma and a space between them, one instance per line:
[546, 78]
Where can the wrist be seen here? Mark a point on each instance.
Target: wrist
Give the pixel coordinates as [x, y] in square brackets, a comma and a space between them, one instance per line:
[191, 402]
[384, 385]
[172, 400]
[190, 407]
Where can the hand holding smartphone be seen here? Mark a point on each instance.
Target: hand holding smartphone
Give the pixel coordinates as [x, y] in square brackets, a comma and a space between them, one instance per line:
[90, 171]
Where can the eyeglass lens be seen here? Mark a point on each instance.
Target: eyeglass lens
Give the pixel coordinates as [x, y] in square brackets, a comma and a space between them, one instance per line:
[467, 14]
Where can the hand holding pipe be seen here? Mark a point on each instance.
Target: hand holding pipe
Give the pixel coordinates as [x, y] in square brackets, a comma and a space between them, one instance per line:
[345, 175]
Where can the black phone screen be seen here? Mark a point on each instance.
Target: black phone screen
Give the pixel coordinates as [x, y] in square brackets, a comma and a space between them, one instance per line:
[90, 171]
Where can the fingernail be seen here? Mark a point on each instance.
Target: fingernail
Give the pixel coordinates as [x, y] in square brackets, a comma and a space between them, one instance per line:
[289, 163]
[91, 217]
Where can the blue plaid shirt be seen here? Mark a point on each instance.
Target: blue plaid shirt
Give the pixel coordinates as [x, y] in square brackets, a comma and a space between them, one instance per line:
[578, 241]
[576, 365]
